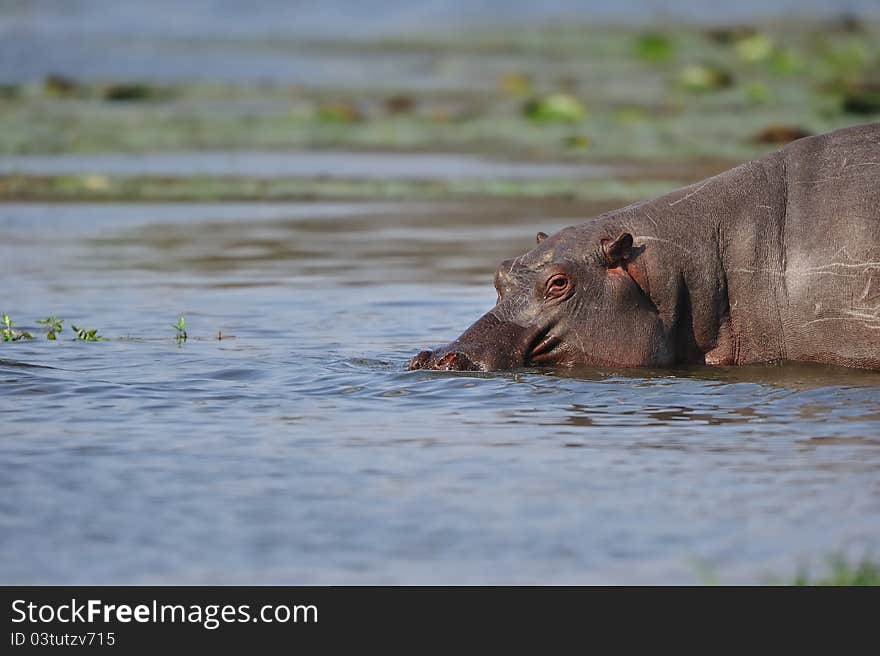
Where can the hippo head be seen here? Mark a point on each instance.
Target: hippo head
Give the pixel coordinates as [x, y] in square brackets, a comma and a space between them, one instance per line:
[579, 298]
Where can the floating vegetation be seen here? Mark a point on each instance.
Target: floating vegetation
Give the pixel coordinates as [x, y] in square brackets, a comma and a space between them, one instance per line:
[630, 115]
[514, 84]
[862, 98]
[95, 182]
[754, 48]
[848, 58]
[555, 108]
[842, 572]
[10, 333]
[400, 104]
[180, 327]
[577, 141]
[780, 134]
[53, 326]
[340, 111]
[86, 335]
[9, 91]
[757, 93]
[129, 92]
[730, 34]
[700, 78]
[61, 86]
[786, 61]
[654, 47]
[68, 188]
[811, 74]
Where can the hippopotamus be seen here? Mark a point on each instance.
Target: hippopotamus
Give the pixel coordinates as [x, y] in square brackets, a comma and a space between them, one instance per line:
[776, 259]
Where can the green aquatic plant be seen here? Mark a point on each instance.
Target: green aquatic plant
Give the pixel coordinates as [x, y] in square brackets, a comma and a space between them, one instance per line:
[11, 334]
[340, 111]
[786, 61]
[577, 141]
[61, 86]
[842, 572]
[700, 78]
[86, 335]
[862, 99]
[555, 108]
[514, 84]
[754, 48]
[757, 93]
[53, 326]
[847, 59]
[129, 92]
[654, 47]
[180, 328]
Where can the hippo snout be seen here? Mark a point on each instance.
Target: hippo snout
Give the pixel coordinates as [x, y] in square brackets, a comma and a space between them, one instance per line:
[450, 361]
[490, 344]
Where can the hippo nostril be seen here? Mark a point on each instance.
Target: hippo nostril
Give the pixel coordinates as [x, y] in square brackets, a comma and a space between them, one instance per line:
[420, 360]
[446, 361]
[455, 361]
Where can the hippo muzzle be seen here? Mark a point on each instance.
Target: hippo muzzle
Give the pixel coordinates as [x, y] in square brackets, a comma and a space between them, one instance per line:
[489, 344]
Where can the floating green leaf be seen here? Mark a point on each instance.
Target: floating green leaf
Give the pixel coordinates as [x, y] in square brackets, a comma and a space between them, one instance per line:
[754, 48]
[556, 107]
[704, 77]
[654, 47]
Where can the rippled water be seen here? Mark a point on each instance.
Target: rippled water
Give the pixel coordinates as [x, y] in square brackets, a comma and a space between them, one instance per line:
[297, 449]
[266, 40]
[309, 164]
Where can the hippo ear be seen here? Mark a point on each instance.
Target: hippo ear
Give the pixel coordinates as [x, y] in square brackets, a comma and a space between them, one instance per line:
[617, 250]
[541, 237]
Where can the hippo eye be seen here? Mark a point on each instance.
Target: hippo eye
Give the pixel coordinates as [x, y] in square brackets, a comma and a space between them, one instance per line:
[558, 285]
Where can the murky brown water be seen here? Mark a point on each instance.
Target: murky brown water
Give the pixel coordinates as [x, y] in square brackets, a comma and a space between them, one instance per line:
[301, 451]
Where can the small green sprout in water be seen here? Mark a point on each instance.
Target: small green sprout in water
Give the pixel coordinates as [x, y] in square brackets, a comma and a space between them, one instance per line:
[180, 328]
[11, 334]
[53, 326]
[84, 335]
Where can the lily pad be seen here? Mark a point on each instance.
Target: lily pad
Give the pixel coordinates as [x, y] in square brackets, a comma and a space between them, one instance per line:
[755, 48]
[557, 107]
[654, 47]
[704, 77]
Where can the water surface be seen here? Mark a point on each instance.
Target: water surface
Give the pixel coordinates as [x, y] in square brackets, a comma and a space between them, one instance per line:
[273, 40]
[297, 449]
[305, 164]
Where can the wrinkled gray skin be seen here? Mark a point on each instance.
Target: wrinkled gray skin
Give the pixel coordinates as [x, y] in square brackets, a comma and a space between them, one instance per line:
[777, 259]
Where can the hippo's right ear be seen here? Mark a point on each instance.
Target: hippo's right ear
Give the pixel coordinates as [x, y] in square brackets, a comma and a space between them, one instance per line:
[541, 236]
[617, 250]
